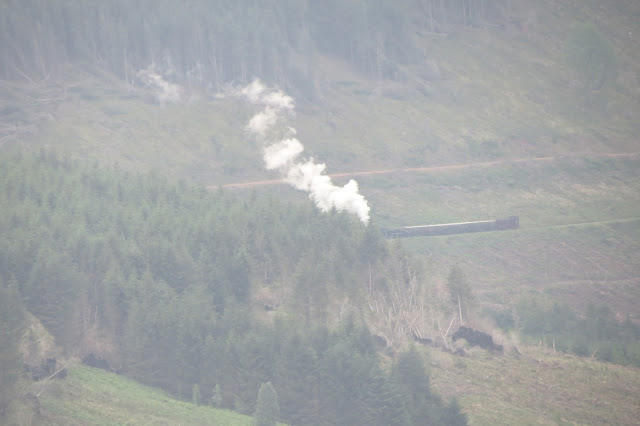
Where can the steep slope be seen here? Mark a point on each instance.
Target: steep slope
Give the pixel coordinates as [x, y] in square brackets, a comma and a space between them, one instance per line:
[496, 89]
[539, 387]
[496, 96]
[92, 396]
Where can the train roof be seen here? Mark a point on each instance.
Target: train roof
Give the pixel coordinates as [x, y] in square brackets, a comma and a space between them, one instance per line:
[447, 224]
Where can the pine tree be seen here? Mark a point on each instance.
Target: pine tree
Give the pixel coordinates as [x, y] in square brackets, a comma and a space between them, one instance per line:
[591, 55]
[216, 397]
[385, 404]
[453, 414]
[412, 381]
[195, 394]
[12, 320]
[267, 408]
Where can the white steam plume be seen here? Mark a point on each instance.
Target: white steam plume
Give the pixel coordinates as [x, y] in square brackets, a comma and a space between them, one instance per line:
[282, 154]
[165, 91]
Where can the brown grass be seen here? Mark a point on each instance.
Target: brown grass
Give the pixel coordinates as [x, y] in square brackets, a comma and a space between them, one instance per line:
[539, 387]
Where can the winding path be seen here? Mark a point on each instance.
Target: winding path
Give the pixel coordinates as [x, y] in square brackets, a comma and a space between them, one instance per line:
[429, 169]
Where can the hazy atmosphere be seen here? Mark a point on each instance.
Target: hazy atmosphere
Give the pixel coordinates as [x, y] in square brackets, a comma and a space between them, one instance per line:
[336, 212]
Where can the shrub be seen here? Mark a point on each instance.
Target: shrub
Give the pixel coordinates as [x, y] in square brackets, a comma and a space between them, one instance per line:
[591, 55]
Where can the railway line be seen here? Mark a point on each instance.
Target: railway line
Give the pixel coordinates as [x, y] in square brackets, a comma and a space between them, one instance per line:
[510, 223]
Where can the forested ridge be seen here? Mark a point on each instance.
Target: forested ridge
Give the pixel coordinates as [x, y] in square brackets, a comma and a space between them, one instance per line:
[168, 283]
[209, 44]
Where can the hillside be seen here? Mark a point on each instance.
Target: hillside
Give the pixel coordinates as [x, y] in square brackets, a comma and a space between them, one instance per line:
[471, 111]
[200, 293]
[92, 396]
[480, 92]
[539, 387]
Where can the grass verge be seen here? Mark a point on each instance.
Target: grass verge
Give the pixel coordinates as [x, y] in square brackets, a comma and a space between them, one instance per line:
[91, 396]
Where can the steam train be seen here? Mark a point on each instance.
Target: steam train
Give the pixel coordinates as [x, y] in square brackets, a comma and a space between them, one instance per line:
[512, 222]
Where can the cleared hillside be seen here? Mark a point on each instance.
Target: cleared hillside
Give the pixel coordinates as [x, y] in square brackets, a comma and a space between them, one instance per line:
[539, 387]
[496, 97]
[492, 90]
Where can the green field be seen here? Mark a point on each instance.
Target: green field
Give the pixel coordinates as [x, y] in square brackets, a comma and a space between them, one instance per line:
[539, 387]
[91, 396]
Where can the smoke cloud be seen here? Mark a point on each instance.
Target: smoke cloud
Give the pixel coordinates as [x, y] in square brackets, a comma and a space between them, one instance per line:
[282, 154]
[165, 91]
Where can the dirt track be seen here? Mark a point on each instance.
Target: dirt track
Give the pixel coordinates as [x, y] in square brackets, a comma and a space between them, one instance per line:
[424, 169]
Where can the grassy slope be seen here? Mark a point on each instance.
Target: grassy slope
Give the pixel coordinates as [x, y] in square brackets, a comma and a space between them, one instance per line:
[92, 396]
[492, 93]
[498, 94]
[538, 388]
[593, 262]
[506, 94]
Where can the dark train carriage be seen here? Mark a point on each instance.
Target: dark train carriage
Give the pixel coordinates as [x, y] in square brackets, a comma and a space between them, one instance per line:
[512, 222]
[395, 233]
[450, 228]
[453, 228]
